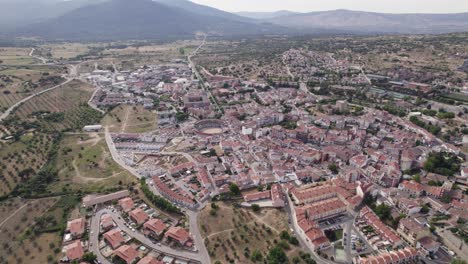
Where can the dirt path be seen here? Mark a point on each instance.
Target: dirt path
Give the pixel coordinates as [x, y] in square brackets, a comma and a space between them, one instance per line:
[13, 214]
[124, 124]
[220, 232]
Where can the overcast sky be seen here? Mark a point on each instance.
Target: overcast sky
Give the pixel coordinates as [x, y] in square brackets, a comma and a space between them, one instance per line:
[387, 6]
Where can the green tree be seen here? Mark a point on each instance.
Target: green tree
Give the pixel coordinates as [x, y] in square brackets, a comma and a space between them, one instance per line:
[234, 189]
[277, 255]
[256, 256]
[333, 168]
[89, 257]
[256, 208]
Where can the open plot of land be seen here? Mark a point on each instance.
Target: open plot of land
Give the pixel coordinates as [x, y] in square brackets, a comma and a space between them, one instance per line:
[85, 163]
[68, 50]
[16, 56]
[17, 216]
[234, 233]
[22, 159]
[129, 57]
[130, 119]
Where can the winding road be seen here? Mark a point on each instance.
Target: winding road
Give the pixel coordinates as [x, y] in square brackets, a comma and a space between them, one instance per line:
[94, 240]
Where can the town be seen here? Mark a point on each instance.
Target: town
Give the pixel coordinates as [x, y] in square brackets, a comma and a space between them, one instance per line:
[359, 184]
[267, 149]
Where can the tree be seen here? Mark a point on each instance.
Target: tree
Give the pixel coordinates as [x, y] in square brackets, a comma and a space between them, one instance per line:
[417, 178]
[333, 168]
[256, 256]
[277, 255]
[89, 257]
[234, 189]
[256, 208]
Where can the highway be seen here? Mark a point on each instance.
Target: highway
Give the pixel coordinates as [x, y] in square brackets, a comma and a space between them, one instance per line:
[94, 236]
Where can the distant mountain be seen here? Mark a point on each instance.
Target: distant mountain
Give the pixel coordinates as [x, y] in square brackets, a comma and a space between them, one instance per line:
[203, 10]
[368, 22]
[138, 19]
[15, 14]
[266, 15]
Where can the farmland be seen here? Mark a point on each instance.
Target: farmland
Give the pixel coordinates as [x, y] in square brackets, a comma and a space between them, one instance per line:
[16, 216]
[22, 159]
[62, 109]
[18, 82]
[130, 119]
[232, 233]
[16, 56]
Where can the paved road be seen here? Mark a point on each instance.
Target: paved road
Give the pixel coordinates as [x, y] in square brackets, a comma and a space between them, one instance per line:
[199, 77]
[183, 254]
[115, 154]
[301, 239]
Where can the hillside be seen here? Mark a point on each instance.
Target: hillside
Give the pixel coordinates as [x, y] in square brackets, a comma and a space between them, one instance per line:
[368, 22]
[203, 10]
[266, 15]
[35, 11]
[137, 19]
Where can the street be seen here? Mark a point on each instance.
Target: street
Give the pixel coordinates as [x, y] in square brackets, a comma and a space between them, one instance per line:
[181, 254]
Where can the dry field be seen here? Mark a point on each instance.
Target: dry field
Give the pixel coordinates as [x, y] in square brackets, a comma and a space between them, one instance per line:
[17, 215]
[16, 56]
[22, 159]
[68, 50]
[19, 82]
[71, 100]
[85, 163]
[234, 231]
[130, 119]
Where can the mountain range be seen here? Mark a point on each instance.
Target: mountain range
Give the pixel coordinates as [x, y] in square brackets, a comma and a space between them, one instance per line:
[175, 19]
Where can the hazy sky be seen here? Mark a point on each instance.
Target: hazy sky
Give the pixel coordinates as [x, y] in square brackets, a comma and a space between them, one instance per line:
[387, 6]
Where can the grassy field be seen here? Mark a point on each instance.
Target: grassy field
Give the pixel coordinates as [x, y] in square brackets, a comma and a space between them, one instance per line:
[130, 119]
[16, 56]
[68, 50]
[233, 234]
[17, 215]
[84, 163]
[22, 159]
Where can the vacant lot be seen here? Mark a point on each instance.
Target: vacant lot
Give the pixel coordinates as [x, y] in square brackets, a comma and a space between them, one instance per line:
[130, 119]
[84, 163]
[233, 234]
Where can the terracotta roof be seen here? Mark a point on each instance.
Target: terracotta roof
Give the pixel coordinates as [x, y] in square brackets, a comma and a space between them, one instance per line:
[179, 234]
[126, 204]
[76, 227]
[127, 253]
[74, 250]
[139, 216]
[106, 221]
[114, 238]
[149, 260]
[155, 225]
[257, 196]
